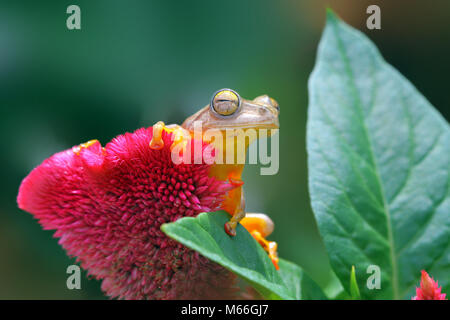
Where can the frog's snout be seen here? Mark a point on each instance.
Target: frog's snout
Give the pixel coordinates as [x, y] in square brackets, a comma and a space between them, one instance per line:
[267, 101]
[268, 110]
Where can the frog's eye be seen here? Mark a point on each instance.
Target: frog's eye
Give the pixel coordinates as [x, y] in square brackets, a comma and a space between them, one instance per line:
[225, 102]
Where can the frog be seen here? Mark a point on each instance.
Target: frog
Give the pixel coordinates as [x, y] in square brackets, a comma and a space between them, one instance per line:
[227, 112]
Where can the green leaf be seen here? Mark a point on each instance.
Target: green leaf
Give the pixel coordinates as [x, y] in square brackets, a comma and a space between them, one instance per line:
[379, 160]
[334, 289]
[244, 256]
[240, 254]
[299, 283]
[354, 289]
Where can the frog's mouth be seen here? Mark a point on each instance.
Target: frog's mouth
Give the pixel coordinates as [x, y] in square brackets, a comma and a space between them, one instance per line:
[256, 126]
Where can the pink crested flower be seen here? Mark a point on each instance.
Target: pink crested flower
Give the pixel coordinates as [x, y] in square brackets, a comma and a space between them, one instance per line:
[107, 206]
[429, 289]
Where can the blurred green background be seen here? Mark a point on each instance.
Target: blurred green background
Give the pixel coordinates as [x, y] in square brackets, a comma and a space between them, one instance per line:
[136, 62]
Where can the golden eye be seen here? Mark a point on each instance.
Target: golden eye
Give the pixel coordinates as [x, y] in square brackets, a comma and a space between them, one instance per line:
[225, 102]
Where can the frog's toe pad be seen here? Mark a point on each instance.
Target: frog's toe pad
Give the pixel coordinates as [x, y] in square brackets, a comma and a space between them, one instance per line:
[157, 142]
[229, 229]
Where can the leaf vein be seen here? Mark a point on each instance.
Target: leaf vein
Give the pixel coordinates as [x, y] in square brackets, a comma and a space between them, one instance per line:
[357, 101]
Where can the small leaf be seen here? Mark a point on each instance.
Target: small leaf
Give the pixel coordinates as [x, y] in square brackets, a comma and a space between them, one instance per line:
[354, 289]
[240, 254]
[379, 167]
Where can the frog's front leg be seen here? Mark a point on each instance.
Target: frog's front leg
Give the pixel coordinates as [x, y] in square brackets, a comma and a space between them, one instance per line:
[239, 211]
[258, 225]
[157, 142]
[239, 214]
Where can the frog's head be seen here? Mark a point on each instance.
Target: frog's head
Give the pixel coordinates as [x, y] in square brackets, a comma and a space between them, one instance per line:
[227, 110]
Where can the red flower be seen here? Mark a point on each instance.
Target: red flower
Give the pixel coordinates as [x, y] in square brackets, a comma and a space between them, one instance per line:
[429, 289]
[107, 206]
